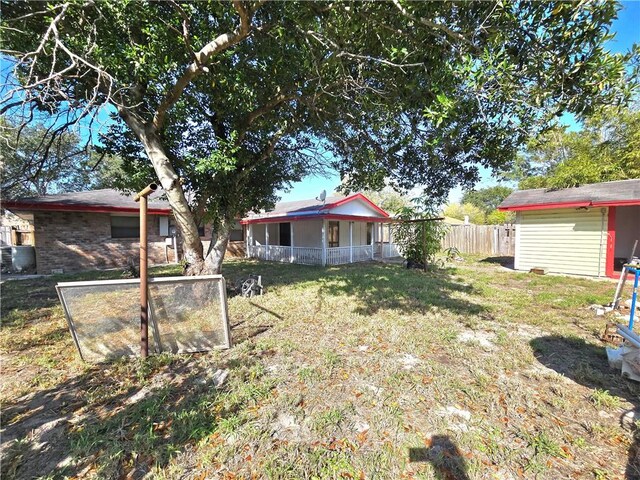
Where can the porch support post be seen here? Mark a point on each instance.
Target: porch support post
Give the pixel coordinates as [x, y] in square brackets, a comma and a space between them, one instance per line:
[266, 240]
[382, 240]
[293, 244]
[373, 239]
[324, 242]
[249, 239]
[390, 240]
[350, 242]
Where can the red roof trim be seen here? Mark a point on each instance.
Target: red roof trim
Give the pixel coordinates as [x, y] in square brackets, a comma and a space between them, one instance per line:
[543, 206]
[55, 207]
[619, 203]
[327, 216]
[357, 196]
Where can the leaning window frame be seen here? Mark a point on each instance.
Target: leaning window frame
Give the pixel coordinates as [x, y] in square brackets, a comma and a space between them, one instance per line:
[152, 317]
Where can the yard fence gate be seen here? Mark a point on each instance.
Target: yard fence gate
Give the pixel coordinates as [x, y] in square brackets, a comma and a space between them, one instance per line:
[496, 240]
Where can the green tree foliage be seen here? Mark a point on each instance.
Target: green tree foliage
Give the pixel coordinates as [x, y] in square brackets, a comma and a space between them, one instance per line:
[418, 241]
[459, 211]
[231, 100]
[486, 199]
[387, 199]
[36, 163]
[496, 217]
[606, 149]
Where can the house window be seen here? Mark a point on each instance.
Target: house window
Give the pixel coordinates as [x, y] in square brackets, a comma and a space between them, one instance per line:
[125, 227]
[201, 230]
[369, 233]
[334, 234]
[237, 233]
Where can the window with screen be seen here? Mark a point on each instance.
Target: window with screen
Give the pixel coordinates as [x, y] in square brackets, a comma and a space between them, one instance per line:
[334, 234]
[125, 227]
[201, 230]
[369, 233]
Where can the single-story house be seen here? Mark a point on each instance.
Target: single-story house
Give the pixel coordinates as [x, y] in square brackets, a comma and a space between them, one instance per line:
[333, 231]
[96, 229]
[587, 230]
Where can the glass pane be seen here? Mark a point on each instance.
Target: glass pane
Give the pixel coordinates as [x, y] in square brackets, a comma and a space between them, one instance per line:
[185, 315]
[125, 227]
[105, 319]
[189, 314]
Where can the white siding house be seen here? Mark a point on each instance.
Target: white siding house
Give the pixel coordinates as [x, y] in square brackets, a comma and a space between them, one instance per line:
[587, 230]
[337, 231]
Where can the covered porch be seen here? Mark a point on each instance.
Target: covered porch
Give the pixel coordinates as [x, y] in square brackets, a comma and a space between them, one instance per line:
[320, 241]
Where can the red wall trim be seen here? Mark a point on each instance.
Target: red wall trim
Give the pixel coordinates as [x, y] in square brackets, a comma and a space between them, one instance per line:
[542, 206]
[80, 208]
[328, 216]
[611, 242]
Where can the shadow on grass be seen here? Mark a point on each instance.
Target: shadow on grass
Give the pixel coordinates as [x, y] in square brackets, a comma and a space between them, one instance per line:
[371, 286]
[22, 296]
[507, 262]
[587, 365]
[444, 456]
[57, 432]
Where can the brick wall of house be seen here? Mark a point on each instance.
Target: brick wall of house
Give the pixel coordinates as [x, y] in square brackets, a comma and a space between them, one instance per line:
[76, 241]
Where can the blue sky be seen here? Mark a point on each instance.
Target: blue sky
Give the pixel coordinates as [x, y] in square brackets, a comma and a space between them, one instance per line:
[627, 29]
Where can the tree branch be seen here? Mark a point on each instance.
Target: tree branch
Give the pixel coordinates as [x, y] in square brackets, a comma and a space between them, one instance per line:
[262, 110]
[443, 28]
[202, 59]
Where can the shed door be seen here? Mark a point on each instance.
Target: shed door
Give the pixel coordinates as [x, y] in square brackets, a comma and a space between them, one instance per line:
[562, 240]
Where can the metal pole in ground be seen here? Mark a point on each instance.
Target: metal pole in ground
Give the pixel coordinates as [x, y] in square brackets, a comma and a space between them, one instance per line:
[141, 197]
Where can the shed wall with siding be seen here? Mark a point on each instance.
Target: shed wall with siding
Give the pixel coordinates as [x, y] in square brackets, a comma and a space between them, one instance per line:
[562, 240]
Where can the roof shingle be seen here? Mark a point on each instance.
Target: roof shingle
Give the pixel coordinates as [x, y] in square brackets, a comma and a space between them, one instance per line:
[601, 194]
[106, 198]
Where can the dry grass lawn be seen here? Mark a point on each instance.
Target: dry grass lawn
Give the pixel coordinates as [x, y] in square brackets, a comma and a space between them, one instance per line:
[367, 371]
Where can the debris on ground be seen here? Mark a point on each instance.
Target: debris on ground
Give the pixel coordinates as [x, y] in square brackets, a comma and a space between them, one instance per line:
[601, 309]
[219, 377]
[249, 286]
[476, 336]
[538, 270]
[627, 356]
[409, 361]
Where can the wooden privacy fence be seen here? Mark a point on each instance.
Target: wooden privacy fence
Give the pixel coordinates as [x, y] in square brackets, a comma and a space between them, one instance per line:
[496, 240]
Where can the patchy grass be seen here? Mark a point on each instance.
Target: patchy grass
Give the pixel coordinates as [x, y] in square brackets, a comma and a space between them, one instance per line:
[360, 371]
[602, 398]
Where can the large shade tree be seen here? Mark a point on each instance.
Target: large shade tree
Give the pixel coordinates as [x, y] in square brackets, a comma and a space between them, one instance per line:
[227, 101]
[607, 148]
[34, 162]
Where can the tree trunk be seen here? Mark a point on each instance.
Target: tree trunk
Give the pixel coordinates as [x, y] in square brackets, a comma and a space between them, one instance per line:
[217, 249]
[192, 246]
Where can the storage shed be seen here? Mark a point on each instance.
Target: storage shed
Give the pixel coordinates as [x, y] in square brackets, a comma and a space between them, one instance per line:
[587, 230]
